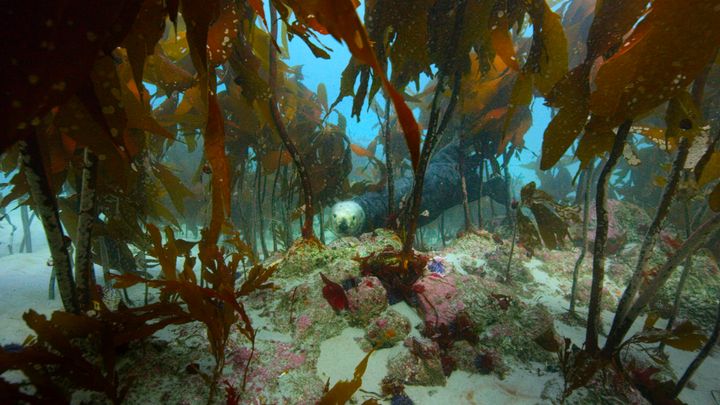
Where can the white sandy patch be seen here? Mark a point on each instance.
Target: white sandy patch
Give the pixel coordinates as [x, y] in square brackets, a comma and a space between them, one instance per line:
[24, 281]
[23, 284]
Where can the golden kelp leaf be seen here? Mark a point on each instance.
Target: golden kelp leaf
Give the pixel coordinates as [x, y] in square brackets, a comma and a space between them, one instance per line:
[174, 186]
[529, 235]
[146, 31]
[502, 43]
[273, 159]
[343, 390]
[657, 62]
[199, 15]
[52, 59]
[221, 34]
[75, 121]
[682, 117]
[711, 171]
[162, 72]
[166, 255]
[650, 321]
[106, 85]
[714, 199]
[613, 19]
[191, 100]
[551, 218]
[138, 112]
[594, 142]
[360, 151]
[554, 58]
[480, 88]
[408, 52]
[340, 19]
[687, 337]
[322, 95]
[214, 137]
[176, 46]
[562, 132]
[521, 96]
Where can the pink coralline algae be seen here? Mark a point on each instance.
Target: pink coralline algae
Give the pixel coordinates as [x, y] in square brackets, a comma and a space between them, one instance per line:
[367, 300]
[438, 299]
[303, 323]
[264, 370]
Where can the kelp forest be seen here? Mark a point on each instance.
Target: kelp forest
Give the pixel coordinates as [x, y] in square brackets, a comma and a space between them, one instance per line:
[369, 202]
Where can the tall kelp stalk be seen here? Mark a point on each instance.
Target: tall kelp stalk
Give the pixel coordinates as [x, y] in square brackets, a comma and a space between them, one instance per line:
[687, 269]
[435, 128]
[387, 150]
[652, 287]
[469, 227]
[46, 206]
[587, 187]
[698, 91]
[601, 234]
[641, 268]
[84, 274]
[26, 219]
[481, 167]
[509, 218]
[513, 207]
[260, 183]
[308, 208]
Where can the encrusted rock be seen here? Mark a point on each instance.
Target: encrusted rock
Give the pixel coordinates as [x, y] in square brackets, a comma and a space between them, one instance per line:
[387, 329]
[421, 365]
[367, 300]
[541, 329]
[438, 299]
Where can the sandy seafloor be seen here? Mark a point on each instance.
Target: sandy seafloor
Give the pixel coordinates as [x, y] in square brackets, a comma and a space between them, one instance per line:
[24, 280]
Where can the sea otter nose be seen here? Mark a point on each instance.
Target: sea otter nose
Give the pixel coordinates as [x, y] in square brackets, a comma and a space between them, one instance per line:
[343, 226]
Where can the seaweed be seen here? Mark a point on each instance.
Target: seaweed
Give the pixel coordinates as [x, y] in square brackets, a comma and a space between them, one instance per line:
[219, 306]
[343, 390]
[80, 351]
[334, 293]
[397, 272]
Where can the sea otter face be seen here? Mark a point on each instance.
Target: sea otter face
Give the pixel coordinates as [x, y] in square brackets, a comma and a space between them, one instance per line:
[348, 218]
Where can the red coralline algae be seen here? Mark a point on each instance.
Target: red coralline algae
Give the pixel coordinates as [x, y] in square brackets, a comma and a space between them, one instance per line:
[303, 323]
[438, 300]
[265, 371]
[367, 300]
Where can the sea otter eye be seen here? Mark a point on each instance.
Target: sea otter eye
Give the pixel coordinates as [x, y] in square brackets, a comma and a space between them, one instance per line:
[334, 215]
[353, 217]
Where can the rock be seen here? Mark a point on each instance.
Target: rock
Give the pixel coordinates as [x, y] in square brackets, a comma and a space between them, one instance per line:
[625, 224]
[597, 391]
[438, 299]
[420, 366]
[497, 261]
[541, 329]
[367, 300]
[302, 259]
[304, 312]
[489, 361]
[377, 241]
[387, 329]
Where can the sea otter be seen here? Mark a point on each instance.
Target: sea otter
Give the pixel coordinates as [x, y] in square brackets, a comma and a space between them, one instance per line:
[442, 190]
